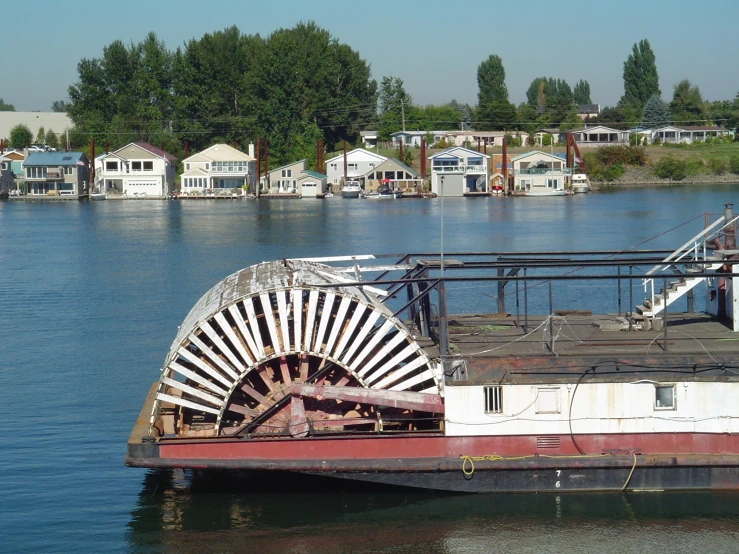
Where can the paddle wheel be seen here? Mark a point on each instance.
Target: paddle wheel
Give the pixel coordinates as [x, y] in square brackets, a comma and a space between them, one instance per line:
[284, 348]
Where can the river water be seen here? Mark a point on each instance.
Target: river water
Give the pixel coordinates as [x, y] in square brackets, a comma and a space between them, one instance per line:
[92, 294]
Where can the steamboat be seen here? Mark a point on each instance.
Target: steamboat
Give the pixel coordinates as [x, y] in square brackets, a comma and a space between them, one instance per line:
[469, 372]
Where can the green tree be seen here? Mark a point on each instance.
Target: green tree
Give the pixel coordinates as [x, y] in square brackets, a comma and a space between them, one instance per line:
[641, 80]
[6, 107]
[51, 139]
[20, 135]
[495, 112]
[394, 101]
[656, 113]
[40, 136]
[59, 106]
[582, 92]
[687, 104]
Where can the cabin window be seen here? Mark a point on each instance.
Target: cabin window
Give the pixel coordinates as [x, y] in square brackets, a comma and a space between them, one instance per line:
[547, 400]
[287, 172]
[136, 166]
[352, 166]
[68, 170]
[664, 397]
[494, 400]
[148, 166]
[111, 166]
[552, 183]
[187, 167]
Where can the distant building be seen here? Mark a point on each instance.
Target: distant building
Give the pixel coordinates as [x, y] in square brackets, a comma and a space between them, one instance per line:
[538, 173]
[137, 169]
[493, 138]
[56, 174]
[219, 169]
[598, 135]
[459, 171]
[359, 163]
[587, 111]
[369, 138]
[296, 178]
[413, 138]
[58, 122]
[6, 177]
[687, 134]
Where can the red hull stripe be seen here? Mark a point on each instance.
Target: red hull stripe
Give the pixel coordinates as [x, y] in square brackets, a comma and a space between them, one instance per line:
[378, 448]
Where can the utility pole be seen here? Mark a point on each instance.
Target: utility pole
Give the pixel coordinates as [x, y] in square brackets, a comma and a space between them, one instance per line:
[402, 111]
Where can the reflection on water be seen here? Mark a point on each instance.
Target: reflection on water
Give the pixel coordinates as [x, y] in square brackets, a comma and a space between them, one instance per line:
[182, 511]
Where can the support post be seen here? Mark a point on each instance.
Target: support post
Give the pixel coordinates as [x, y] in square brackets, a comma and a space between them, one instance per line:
[345, 164]
[631, 298]
[664, 313]
[443, 338]
[91, 177]
[525, 302]
[619, 291]
[259, 166]
[518, 306]
[551, 322]
[501, 291]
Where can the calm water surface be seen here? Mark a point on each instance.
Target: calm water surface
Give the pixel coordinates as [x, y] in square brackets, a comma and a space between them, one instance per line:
[92, 294]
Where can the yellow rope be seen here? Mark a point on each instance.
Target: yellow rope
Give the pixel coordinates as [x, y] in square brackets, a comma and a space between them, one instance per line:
[470, 460]
[630, 474]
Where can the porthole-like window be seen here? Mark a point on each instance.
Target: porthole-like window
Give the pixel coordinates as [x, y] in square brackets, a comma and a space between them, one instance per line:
[664, 397]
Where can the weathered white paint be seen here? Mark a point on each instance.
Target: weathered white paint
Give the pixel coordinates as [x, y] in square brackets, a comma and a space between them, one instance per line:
[282, 309]
[252, 316]
[241, 324]
[328, 303]
[701, 407]
[212, 335]
[269, 317]
[363, 332]
[353, 322]
[339, 322]
[233, 338]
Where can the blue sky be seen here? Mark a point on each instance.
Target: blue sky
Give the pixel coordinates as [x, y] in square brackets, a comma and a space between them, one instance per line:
[434, 46]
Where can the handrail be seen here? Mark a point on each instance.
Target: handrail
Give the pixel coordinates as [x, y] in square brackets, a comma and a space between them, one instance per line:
[703, 235]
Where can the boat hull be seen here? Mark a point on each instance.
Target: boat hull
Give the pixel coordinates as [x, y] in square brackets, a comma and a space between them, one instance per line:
[653, 461]
[350, 193]
[547, 193]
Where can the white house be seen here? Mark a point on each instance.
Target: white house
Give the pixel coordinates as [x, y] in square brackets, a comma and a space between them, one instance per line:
[138, 169]
[459, 171]
[296, 178]
[369, 138]
[687, 133]
[493, 138]
[598, 135]
[537, 172]
[359, 162]
[6, 177]
[413, 138]
[219, 169]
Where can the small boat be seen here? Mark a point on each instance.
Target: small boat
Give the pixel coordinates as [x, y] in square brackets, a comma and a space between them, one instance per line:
[497, 189]
[328, 194]
[381, 194]
[580, 183]
[351, 189]
[98, 194]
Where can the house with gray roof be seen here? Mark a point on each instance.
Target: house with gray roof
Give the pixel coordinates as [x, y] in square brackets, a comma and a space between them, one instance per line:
[295, 179]
[56, 175]
[136, 170]
[394, 174]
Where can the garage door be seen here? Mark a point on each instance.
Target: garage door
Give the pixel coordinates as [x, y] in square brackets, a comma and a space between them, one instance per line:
[143, 188]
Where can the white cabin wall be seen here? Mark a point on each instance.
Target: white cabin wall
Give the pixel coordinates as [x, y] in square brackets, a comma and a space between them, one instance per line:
[702, 407]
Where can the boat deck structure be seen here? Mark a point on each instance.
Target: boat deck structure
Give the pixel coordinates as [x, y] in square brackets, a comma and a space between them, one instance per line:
[464, 371]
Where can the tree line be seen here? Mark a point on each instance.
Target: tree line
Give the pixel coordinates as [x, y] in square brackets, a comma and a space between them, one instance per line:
[300, 85]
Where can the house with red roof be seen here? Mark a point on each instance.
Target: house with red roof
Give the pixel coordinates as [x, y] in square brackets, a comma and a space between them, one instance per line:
[138, 170]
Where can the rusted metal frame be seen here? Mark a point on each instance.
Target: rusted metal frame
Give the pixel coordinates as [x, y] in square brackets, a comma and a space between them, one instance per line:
[418, 297]
[501, 285]
[378, 397]
[392, 291]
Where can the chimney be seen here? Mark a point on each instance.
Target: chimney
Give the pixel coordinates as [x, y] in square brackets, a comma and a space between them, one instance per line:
[251, 149]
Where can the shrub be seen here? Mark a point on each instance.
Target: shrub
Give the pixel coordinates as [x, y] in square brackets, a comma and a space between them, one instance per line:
[718, 166]
[598, 171]
[625, 155]
[671, 168]
[695, 166]
[734, 165]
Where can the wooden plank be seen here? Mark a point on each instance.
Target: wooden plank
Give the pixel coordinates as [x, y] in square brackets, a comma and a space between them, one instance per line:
[270, 319]
[393, 363]
[338, 324]
[212, 357]
[384, 351]
[243, 410]
[186, 403]
[187, 374]
[420, 378]
[285, 371]
[328, 304]
[266, 375]
[375, 397]
[310, 323]
[353, 322]
[374, 341]
[298, 423]
[254, 394]
[304, 367]
[363, 332]
[297, 300]
[244, 330]
[401, 372]
[284, 327]
[225, 350]
[236, 341]
[209, 398]
[251, 315]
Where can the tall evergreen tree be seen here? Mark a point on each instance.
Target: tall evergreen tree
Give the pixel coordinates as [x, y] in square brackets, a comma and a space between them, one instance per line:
[20, 135]
[6, 107]
[641, 80]
[687, 104]
[40, 136]
[656, 113]
[582, 92]
[394, 104]
[495, 112]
